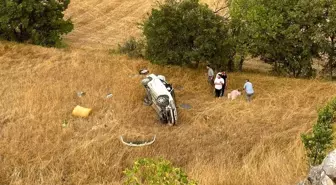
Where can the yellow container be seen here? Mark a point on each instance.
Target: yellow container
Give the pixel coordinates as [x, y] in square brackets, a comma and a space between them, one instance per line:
[81, 111]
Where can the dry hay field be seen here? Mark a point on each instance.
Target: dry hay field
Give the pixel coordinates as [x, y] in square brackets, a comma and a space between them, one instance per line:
[105, 23]
[216, 142]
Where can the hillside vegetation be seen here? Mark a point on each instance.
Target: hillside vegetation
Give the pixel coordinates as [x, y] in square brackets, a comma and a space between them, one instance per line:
[216, 142]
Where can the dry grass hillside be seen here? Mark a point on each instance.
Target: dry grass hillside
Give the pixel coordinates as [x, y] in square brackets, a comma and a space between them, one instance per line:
[216, 142]
[105, 23]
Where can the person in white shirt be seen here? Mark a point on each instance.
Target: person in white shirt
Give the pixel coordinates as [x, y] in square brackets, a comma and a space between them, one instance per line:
[248, 87]
[234, 94]
[219, 82]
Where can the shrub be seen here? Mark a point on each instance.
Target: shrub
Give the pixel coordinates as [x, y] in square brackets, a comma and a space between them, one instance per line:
[319, 141]
[186, 32]
[133, 48]
[35, 21]
[156, 172]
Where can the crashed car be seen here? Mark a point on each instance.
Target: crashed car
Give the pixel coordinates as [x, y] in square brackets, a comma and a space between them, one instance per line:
[160, 95]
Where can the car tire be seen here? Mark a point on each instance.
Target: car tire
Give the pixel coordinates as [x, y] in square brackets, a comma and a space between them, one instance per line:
[146, 81]
[171, 117]
[163, 100]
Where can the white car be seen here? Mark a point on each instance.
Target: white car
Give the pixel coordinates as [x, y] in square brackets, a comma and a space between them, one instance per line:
[160, 95]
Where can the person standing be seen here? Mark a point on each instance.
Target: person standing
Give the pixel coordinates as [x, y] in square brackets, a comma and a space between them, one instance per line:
[219, 83]
[248, 87]
[224, 76]
[210, 75]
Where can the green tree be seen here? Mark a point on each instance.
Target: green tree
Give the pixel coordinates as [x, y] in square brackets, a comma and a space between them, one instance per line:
[326, 31]
[279, 31]
[239, 36]
[183, 32]
[35, 21]
[319, 141]
[155, 172]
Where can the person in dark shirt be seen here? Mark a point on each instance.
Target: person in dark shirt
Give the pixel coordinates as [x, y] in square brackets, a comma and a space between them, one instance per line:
[224, 76]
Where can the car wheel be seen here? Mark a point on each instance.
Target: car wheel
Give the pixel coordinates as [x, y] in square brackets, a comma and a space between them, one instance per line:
[163, 100]
[146, 81]
[171, 117]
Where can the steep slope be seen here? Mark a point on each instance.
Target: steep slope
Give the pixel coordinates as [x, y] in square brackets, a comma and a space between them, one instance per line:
[216, 142]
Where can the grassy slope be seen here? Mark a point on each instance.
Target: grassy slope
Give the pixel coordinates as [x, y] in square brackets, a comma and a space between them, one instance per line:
[217, 142]
[105, 23]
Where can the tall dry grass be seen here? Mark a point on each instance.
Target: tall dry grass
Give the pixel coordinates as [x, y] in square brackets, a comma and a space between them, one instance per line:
[105, 23]
[216, 142]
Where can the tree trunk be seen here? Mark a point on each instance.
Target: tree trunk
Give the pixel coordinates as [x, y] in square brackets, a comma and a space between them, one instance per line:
[276, 67]
[197, 64]
[331, 57]
[241, 62]
[231, 65]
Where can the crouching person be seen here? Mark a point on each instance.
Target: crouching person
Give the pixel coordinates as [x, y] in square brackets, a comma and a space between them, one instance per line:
[234, 94]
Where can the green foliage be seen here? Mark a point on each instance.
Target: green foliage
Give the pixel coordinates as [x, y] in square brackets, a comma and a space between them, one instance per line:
[279, 30]
[35, 21]
[325, 31]
[155, 172]
[133, 48]
[239, 36]
[320, 139]
[186, 32]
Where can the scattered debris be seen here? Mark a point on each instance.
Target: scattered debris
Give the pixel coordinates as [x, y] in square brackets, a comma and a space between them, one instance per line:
[137, 143]
[109, 95]
[96, 127]
[185, 106]
[65, 123]
[81, 111]
[179, 87]
[143, 71]
[80, 94]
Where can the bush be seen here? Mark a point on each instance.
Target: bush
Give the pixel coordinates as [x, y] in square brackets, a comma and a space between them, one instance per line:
[185, 33]
[133, 48]
[319, 141]
[35, 21]
[156, 172]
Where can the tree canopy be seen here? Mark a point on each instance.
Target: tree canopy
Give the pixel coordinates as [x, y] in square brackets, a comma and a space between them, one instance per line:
[279, 31]
[183, 32]
[35, 21]
[325, 31]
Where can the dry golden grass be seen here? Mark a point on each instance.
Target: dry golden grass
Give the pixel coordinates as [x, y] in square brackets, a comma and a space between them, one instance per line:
[216, 142]
[105, 23]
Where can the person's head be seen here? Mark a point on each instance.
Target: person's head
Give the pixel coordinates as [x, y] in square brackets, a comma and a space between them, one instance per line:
[247, 80]
[218, 75]
[224, 73]
[208, 66]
